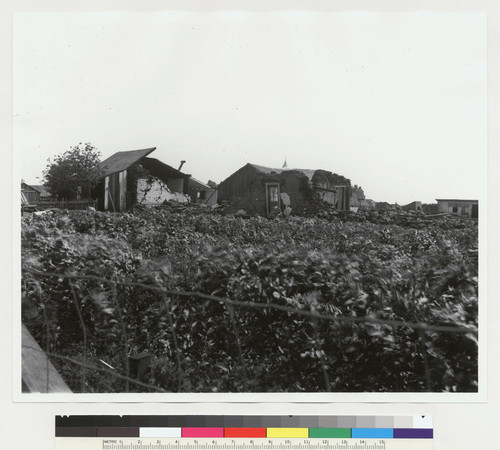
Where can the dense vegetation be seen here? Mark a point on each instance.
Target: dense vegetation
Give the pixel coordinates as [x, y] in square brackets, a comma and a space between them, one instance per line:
[74, 173]
[373, 271]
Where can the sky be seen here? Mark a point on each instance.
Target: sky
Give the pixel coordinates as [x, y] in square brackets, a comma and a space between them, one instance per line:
[396, 102]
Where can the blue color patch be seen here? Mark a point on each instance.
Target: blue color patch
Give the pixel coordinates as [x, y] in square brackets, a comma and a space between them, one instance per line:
[373, 433]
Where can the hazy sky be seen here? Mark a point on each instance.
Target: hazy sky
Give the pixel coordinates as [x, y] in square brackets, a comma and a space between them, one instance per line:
[394, 101]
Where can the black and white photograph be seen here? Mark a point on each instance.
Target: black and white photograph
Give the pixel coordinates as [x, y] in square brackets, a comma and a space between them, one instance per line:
[237, 202]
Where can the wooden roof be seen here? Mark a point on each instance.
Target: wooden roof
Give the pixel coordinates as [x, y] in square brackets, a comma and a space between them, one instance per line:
[42, 189]
[161, 170]
[123, 160]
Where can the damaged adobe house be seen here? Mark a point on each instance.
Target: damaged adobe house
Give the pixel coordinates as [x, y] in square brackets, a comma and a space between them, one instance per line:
[267, 192]
[132, 177]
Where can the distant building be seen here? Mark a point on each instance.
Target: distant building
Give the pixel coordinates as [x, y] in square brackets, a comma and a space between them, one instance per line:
[33, 194]
[460, 207]
[44, 193]
[202, 193]
[29, 194]
[267, 192]
[413, 206]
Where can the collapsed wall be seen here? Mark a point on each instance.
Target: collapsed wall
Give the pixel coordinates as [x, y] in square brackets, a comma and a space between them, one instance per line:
[153, 191]
[332, 188]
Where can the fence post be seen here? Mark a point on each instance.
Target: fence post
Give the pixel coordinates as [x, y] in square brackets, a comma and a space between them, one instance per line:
[423, 346]
[124, 333]
[232, 316]
[176, 345]
[84, 331]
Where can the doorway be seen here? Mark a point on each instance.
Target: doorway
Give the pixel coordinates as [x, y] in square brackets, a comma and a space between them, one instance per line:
[272, 199]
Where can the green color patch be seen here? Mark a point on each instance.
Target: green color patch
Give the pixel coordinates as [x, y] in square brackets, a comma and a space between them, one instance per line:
[329, 432]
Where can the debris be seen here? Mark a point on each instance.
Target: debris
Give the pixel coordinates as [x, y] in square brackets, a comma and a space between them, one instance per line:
[42, 213]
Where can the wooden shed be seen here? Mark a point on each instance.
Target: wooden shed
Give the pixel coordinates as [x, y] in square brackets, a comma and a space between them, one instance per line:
[459, 207]
[29, 194]
[267, 192]
[130, 177]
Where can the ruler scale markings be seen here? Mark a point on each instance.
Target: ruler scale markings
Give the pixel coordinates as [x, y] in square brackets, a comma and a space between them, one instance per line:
[249, 444]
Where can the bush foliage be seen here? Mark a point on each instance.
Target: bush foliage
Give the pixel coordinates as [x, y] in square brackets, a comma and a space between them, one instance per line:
[373, 271]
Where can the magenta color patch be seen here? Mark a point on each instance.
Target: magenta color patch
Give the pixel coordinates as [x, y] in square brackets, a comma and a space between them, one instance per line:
[202, 432]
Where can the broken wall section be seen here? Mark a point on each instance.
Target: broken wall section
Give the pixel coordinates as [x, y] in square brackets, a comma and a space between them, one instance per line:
[333, 188]
[153, 191]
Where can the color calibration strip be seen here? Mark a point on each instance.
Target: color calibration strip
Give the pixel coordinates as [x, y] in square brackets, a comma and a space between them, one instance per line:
[337, 427]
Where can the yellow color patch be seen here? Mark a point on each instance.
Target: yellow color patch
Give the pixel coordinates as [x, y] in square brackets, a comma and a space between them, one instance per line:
[288, 432]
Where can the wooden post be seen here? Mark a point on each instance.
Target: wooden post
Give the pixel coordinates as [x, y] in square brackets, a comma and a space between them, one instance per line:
[39, 375]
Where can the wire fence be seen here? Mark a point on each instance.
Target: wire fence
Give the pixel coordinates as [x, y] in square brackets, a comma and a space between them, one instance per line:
[167, 303]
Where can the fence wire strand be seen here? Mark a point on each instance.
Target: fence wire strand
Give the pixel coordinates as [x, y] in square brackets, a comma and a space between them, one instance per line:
[230, 304]
[250, 304]
[97, 369]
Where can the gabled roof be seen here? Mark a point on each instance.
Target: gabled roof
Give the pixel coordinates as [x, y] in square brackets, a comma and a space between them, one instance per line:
[42, 189]
[30, 186]
[267, 170]
[123, 160]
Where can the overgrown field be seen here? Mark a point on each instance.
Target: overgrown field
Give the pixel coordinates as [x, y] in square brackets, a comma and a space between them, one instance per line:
[378, 303]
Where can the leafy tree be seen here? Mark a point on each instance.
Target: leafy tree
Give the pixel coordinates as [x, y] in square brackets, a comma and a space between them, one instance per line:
[74, 173]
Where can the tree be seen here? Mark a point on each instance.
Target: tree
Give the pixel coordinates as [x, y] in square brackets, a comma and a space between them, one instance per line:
[74, 173]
